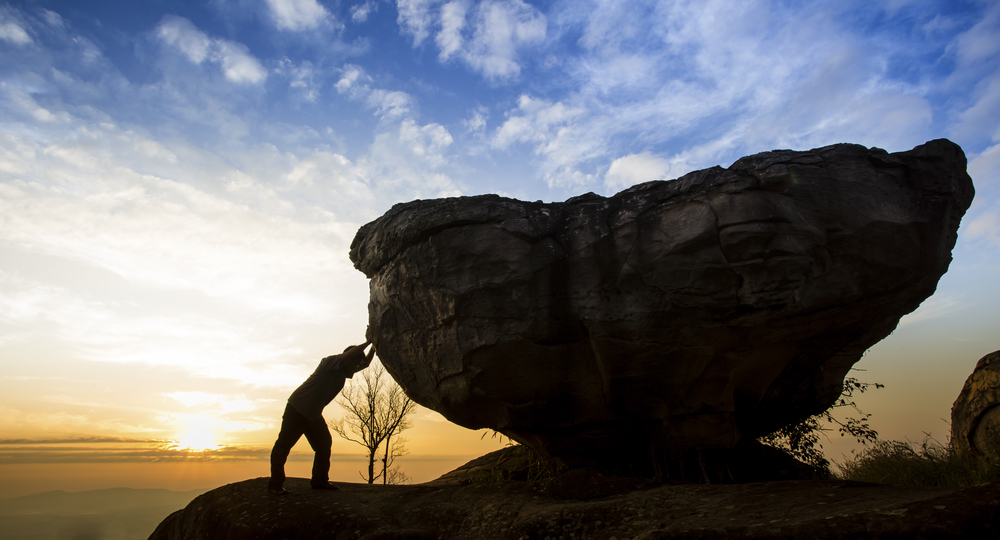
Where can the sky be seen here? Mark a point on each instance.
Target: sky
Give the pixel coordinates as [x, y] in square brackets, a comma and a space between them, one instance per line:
[180, 182]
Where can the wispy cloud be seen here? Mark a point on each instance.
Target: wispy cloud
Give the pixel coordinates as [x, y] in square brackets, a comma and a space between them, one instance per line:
[985, 227]
[409, 159]
[781, 77]
[933, 308]
[104, 449]
[297, 15]
[11, 30]
[220, 403]
[415, 17]
[203, 346]
[488, 36]
[360, 12]
[169, 233]
[388, 104]
[235, 60]
[78, 440]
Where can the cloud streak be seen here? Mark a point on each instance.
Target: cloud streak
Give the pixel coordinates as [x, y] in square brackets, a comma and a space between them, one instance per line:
[490, 36]
[234, 59]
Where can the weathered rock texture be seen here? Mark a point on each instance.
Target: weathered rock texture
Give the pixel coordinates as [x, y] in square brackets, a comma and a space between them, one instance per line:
[975, 416]
[673, 316]
[584, 506]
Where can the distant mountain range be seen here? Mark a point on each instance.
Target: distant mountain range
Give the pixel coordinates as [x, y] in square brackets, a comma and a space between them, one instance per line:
[106, 514]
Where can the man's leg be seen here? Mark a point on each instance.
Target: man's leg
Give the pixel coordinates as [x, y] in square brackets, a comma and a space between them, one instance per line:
[293, 425]
[318, 435]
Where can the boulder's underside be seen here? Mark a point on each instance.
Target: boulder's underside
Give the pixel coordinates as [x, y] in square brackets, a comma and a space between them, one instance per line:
[674, 316]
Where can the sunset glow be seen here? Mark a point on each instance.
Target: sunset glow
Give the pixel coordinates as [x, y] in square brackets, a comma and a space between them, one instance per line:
[180, 184]
[197, 441]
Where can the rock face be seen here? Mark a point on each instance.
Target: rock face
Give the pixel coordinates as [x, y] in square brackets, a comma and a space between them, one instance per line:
[673, 316]
[975, 416]
[587, 507]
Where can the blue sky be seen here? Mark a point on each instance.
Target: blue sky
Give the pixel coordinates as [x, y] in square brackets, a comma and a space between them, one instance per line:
[180, 181]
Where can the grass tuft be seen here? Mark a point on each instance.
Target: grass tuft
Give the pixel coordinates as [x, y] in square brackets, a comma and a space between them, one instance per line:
[518, 463]
[927, 464]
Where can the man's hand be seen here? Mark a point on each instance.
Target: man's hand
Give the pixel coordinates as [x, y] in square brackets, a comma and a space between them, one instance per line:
[369, 357]
[355, 358]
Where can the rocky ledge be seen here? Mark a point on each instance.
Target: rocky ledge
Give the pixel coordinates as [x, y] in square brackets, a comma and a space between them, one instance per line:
[582, 504]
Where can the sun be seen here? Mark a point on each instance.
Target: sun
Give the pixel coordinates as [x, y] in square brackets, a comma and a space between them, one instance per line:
[197, 440]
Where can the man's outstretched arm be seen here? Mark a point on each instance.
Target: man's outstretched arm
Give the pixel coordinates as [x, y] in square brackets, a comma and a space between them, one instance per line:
[355, 359]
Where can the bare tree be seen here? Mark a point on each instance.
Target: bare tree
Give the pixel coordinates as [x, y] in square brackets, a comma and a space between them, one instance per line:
[376, 412]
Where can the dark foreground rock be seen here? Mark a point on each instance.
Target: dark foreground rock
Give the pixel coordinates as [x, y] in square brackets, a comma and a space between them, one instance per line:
[673, 318]
[585, 505]
[975, 415]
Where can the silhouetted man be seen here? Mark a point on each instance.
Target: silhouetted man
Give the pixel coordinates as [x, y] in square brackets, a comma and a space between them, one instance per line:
[304, 416]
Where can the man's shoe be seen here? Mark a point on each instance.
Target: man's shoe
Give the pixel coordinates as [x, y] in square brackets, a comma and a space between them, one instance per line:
[327, 485]
[277, 491]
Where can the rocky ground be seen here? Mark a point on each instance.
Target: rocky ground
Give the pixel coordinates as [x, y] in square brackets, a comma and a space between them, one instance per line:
[580, 504]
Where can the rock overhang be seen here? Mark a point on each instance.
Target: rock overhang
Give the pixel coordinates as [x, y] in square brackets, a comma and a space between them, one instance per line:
[671, 316]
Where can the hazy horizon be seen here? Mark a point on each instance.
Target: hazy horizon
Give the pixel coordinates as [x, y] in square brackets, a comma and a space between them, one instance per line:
[180, 183]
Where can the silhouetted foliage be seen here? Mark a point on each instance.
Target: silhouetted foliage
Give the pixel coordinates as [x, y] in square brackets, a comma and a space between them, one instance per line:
[802, 440]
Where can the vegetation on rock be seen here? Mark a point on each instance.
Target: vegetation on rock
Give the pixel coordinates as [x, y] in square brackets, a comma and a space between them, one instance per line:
[930, 464]
[802, 440]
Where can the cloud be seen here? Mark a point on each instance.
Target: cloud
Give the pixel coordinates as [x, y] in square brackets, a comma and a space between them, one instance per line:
[559, 135]
[79, 440]
[707, 83]
[57, 424]
[237, 64]
[489, 36]
[979, 42]
[449, 40]
[190, 240]
[246, 351]
[501, 29]
[216, 403]
[256, 262]
[11, 31]
[416, 18]
[979, 120]
[408, 161]
[636, 168]
[109, 450]
[536, 120]
[388, 104]
[360, 12]
[985, 227]
[301, 78]
[476, 123]
[933, 308]
[985, 167]
[297, 15]
[121, 450]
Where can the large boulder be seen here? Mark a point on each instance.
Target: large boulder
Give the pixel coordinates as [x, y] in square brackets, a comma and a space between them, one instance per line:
[975, 416]
[674, 316]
